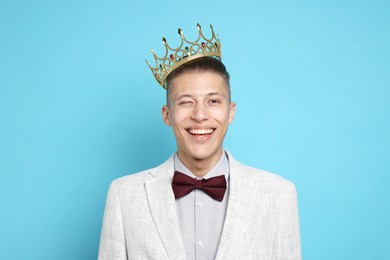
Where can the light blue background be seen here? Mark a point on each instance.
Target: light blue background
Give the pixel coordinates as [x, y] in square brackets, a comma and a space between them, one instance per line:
[79, 108]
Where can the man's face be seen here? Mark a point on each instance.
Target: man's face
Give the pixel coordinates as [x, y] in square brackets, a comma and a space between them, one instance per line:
[199, 112]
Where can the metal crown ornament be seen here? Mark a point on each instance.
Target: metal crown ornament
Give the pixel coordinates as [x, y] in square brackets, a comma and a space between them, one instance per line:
[187, 51]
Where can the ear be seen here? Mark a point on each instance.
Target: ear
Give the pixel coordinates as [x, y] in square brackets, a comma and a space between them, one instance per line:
[232, 111]
[165, 115]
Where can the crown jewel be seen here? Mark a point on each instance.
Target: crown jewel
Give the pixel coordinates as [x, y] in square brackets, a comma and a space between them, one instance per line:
[187, 51]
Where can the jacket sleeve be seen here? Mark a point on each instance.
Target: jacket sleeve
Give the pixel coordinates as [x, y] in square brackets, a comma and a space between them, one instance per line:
[112, 239]
[287, 244]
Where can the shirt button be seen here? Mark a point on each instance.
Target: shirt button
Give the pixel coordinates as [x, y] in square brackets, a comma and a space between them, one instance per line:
[200, 243]
[200, 204]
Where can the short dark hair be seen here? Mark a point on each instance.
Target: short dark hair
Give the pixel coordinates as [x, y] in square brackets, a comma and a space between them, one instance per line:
[204, 64]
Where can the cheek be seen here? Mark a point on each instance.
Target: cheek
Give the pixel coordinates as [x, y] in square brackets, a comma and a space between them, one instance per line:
[224, 116]
[176, 119]
[179, 115]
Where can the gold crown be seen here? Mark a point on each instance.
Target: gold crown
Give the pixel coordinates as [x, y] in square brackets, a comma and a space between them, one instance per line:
[187, 51]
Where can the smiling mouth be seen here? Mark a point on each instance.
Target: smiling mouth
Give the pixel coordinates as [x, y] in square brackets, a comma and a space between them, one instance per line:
[201, 131]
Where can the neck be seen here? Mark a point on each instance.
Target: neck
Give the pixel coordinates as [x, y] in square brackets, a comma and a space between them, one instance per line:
[199, 167]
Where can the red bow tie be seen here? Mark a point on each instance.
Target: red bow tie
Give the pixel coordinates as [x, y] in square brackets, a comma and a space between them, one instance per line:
[214, 187]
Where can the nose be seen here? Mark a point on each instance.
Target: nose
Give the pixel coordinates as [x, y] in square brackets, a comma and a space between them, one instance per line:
[200, 112]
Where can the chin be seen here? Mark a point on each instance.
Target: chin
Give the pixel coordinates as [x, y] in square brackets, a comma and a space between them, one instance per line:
[203, 154]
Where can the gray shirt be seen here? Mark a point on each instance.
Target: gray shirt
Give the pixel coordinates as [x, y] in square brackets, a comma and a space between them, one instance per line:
[201, 217]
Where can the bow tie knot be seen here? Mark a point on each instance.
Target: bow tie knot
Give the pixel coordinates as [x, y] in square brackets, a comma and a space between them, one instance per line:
[182, 185]
[199, 183]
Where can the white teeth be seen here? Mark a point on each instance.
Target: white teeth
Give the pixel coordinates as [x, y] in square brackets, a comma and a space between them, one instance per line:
[200, 131]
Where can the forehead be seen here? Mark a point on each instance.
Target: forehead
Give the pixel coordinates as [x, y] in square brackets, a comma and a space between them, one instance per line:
[198, 83]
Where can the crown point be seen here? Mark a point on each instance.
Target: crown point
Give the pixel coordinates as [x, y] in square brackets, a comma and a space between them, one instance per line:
[175, 57]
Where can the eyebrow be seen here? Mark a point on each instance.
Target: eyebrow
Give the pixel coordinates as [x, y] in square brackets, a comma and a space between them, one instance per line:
[215, 94]
[184, 96]
[209, 94]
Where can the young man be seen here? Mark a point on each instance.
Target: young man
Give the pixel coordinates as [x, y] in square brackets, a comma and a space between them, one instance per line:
[201, 203]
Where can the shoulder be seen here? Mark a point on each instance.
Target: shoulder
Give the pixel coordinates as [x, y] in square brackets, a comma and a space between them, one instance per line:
[265, 178]
[132, 183]
[133, 179]
[129, 185]
[261, 179]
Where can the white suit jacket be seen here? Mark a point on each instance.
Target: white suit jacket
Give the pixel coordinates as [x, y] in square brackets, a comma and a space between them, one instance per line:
[140, 220]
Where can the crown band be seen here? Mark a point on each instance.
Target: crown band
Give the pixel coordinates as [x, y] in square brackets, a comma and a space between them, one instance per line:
[176, 57]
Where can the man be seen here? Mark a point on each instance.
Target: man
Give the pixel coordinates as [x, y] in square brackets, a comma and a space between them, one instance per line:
[201, 203]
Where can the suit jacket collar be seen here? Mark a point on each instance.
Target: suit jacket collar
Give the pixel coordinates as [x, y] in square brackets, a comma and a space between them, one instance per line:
[238, 214]
[163, 209]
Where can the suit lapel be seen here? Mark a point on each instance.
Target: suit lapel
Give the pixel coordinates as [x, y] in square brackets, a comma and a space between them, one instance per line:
[238, 214]
[163, 209]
